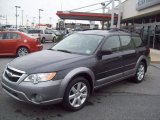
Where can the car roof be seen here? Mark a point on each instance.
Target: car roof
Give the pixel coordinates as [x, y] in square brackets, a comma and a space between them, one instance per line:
[11, 32]
[107, 32]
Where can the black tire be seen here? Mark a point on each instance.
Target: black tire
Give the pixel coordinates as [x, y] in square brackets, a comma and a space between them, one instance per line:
[53, 40]
[43, 40]
[77, 95]
[22, 51]
[140, 73]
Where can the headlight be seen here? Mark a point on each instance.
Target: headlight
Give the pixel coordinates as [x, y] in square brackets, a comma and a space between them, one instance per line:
[40, 77]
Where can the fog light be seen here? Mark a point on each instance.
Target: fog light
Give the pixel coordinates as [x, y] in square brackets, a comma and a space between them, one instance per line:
[36, 98]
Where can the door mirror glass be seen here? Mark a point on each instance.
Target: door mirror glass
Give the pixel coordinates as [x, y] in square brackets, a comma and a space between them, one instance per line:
[106, 52]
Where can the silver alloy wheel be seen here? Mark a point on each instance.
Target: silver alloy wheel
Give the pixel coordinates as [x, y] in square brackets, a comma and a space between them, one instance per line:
[140, 72]
[78, 94]
[22, 51]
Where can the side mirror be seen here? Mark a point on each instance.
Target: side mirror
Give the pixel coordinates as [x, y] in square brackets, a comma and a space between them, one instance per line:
[106, 52]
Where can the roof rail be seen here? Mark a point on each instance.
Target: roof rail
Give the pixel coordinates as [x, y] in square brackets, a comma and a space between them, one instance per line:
[122, 30]
[117, 29]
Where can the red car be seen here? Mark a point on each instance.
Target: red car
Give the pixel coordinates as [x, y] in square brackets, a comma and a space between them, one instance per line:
[18, 43]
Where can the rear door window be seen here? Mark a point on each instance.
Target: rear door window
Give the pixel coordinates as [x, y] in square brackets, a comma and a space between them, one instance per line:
[138, 42]
[14, 36]
[6, 36]
[112, 43]
[126, 43]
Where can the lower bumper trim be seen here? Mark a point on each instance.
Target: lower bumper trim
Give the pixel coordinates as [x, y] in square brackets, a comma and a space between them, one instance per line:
[14, 94]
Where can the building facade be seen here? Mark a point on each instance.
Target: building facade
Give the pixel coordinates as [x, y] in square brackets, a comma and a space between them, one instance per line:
[77, 26]
[143, 17]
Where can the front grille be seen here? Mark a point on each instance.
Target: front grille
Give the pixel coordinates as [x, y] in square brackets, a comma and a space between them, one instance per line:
[12, 74]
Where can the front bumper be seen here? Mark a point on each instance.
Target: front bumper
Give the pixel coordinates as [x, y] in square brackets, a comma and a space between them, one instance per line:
[41, 93]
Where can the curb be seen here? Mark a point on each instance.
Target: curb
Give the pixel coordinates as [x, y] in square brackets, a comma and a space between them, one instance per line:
[155, 62]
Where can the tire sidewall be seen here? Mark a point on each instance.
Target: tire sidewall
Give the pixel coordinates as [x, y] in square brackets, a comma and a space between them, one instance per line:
[66, 96]
[43, 40]
[53, 40]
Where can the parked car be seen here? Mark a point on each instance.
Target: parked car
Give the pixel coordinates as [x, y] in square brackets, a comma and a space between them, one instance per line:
[71, 70]
[69, 34]
[34, 32]
[18, 43]
[44, 35]
[58, 34]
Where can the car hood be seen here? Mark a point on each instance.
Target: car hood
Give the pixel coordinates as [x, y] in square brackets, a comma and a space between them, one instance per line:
[44, 61]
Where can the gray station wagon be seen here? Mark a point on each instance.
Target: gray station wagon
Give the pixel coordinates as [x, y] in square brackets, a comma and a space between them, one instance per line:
[70, 71]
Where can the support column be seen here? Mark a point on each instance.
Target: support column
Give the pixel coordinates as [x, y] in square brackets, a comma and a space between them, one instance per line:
[112, 16]
[119, 15]
[103, 11]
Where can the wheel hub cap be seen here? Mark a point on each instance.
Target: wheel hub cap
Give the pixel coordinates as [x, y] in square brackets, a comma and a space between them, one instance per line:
[22, 52]
[140, 73]
[78, 94]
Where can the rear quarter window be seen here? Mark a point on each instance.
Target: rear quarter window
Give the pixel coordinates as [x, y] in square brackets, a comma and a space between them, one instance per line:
[112, 43]
[138, 41]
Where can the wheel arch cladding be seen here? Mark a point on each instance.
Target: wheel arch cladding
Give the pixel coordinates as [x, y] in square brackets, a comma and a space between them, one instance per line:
[87, 77]
[21, 47]
[145, 63]
[81, 71]
[144, 60]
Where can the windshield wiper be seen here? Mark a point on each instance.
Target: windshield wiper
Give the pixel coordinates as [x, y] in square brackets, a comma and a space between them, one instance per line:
[60, 50]
[50, 49]
[63, 51]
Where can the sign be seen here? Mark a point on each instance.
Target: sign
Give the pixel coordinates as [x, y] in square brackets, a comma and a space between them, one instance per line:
[143, 4]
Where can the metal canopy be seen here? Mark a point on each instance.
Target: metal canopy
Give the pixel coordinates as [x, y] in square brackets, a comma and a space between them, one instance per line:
[84, 16]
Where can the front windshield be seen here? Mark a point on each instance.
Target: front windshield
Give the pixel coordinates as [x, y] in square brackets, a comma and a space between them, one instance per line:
[79, 43]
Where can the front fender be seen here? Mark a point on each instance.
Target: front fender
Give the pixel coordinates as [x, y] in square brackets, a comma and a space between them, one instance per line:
[72, 74]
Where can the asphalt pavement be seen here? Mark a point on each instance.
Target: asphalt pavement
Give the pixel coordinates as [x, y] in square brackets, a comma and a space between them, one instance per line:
[120, 101]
